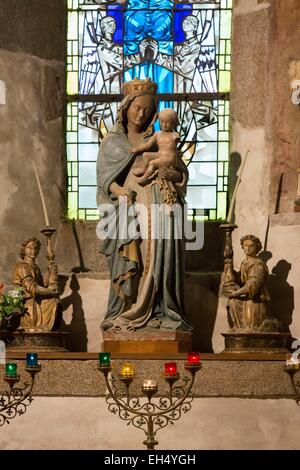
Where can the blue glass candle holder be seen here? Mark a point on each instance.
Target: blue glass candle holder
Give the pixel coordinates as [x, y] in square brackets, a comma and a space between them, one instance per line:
[31, 359]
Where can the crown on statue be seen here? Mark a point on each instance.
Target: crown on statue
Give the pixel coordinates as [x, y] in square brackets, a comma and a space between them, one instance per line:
[136, 85]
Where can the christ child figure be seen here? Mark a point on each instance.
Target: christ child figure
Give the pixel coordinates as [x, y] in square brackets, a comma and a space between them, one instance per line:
[166, 140]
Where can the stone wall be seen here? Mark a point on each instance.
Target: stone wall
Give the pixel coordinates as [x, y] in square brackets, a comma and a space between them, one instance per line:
[28, 27]
[265, 123]
[216, 423]
[32, 73]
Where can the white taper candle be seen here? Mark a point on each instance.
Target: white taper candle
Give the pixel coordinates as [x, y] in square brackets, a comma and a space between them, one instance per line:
[42, 195]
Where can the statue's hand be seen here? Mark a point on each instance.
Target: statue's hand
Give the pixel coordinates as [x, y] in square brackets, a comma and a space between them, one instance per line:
[128, 196]
[52, 269]
[170, 175]
[50, 253]
[122, 192]
[53, 291]
[241, 294]
[228, 265]
[148, 49]
[47, 291]
[135, 151]
[232, 295]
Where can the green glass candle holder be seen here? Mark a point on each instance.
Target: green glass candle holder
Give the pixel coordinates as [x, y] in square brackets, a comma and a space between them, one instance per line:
[11, 369]
[104, 359]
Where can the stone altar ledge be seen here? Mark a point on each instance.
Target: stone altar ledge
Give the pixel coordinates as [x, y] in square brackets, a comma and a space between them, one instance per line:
[19, 341]
[77, 374]
[272, 342]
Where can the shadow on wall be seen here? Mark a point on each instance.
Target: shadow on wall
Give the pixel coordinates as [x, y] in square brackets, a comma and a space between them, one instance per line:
[210, 257]
[282, 294]
[201, 303]
[77, 338]
[81, 268]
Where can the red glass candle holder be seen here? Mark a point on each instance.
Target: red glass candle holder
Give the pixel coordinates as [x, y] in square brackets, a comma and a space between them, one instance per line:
[170, 369]
[193, 358]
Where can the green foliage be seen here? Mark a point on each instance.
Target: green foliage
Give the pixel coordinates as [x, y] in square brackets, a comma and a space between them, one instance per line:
[12, 302]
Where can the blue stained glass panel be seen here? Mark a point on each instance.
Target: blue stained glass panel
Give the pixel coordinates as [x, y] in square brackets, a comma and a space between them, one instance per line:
[115, 11]
[137, 5]
[181, 41]
[88, 135]
[184, 46]
[202, 174]
[163, 77]
[101, 64]
[87, 197]
[205, 151]
[160, 4]
[87, 174]
[150, 4]
[201, 197]
[144, 47]
[179, 16]
[87, 152]
[183, 6]
[154, 24]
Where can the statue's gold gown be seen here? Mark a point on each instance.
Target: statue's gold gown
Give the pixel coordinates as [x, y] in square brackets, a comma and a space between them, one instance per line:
[41, 311]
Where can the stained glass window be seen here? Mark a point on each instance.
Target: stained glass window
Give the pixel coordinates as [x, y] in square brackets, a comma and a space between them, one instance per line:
[185, 47]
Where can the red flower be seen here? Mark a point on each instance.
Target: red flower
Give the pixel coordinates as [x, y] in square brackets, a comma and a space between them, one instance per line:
[1, 287]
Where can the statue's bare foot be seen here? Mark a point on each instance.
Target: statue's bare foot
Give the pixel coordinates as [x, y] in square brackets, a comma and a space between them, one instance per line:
[154, 323]
[130, 328]
[142, 181]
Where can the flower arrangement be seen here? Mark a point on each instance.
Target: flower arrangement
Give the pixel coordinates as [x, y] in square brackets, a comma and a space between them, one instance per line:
[12, 302]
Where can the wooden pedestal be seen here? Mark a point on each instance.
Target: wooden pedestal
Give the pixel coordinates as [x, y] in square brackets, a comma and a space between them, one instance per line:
[147, 341]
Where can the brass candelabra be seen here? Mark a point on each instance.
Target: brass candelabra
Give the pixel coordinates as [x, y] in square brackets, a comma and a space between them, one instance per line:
[15, 400]
[142, 412]
[291, 369]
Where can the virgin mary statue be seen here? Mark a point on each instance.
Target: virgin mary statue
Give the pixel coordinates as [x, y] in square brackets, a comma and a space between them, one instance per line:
[146, 269]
